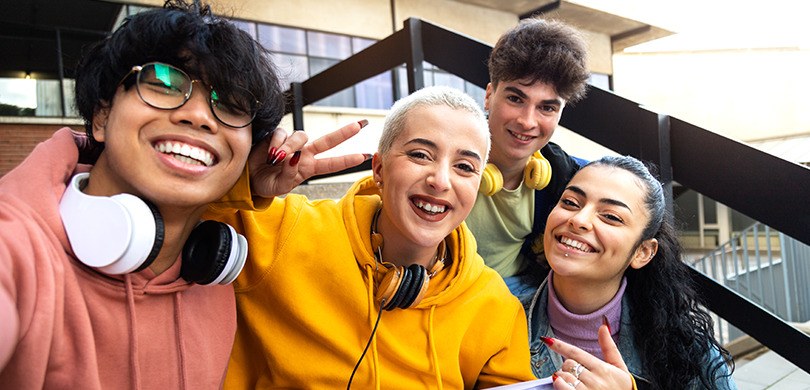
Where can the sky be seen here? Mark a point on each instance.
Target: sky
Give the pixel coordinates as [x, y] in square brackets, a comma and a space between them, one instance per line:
[716, 24]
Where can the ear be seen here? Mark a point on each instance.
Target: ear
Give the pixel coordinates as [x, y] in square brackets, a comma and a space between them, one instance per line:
[490, 90]
[100, 118]
[644, 253]
[376, 167]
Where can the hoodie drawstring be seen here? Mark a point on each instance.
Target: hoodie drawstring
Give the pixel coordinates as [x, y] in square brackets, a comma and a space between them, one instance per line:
[373, 338]
[135, 371]
[433, 353]
[374, 352]
[181, 346]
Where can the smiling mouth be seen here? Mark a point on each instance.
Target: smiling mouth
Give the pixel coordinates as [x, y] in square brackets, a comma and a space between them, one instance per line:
[574, 244]
[185, 153]
[521, 137]
[432, 209]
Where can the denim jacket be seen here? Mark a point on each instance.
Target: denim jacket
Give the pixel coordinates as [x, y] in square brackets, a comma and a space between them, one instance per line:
[545, 362]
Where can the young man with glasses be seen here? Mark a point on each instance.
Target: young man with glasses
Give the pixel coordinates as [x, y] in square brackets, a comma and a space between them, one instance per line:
[107, 277]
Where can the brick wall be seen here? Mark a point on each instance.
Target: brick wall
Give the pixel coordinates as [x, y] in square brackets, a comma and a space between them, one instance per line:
[18, 140]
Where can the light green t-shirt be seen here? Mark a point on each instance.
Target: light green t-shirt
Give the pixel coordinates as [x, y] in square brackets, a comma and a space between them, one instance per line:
[499, 224]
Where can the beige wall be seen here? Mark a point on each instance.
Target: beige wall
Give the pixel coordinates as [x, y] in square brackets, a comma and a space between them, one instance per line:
[364, 18]
[741, 94]
[483, 24]
[600, 52]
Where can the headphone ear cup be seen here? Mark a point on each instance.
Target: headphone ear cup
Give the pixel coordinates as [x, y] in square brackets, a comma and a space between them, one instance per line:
[213, 254]
[389, 286]
[537, 173]
[403, 287]
[491, 180]
[116, 235]
[413, 293]
[160, 232]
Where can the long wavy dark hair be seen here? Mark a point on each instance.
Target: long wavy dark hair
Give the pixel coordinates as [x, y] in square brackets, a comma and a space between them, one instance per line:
[673, 332]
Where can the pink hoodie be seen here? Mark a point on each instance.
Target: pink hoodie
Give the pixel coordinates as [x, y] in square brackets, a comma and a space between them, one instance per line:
[64, 325]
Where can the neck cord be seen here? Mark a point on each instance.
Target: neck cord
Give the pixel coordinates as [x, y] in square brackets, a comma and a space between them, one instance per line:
[368, 344]
[377, 243]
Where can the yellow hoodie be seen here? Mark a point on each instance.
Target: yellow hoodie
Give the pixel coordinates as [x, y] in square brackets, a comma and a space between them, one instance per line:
[306, 307]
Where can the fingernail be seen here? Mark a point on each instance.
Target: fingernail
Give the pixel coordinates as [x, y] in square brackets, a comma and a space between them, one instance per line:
[367, 156]
[606, 322]
[271, 154]
[279, 157]
[294, 160]
[363, 123]
[554, 377]
[547, 340]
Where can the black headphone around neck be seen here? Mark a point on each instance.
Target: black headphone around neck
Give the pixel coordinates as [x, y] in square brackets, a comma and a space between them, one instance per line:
[123, 233]
[402, 287]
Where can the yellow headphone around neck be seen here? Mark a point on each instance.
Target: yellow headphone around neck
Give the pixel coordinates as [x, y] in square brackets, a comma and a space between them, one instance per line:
[536, 175]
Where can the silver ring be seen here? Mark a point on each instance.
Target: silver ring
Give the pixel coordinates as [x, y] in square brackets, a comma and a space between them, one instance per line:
[574, 384]
[577, 369]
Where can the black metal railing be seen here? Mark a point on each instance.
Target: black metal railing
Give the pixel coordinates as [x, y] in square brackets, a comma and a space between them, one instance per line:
[755, 183]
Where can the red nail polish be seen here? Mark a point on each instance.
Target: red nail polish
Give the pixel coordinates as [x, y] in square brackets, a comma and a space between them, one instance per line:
[271, 154]
[363, 123]
[279, 157]
[554, 377]
[294, 160]
[606, 322]
[547, 340]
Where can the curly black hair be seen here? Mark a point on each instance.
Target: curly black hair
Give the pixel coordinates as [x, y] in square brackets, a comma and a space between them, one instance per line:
[674, 333]
[189, 36]
[548, 51]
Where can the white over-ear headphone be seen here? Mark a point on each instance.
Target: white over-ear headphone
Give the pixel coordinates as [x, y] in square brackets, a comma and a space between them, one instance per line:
[123, 233]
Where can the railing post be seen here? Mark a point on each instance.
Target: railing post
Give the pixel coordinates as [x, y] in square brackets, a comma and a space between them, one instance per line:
[298, 105]
[660, 152]
[416, 57]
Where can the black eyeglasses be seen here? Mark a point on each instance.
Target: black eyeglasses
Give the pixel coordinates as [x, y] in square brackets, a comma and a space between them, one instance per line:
[167, 87]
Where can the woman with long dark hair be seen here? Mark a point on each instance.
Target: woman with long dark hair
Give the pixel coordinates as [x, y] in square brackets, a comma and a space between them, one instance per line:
[616, 264]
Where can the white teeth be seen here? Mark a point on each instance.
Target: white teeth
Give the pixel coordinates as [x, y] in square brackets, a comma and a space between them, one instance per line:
[431, 208]
[186, 153]
[520, 136]
[576, 244]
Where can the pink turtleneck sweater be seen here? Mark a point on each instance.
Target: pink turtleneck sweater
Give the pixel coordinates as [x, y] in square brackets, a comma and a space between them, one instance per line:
[581, 329]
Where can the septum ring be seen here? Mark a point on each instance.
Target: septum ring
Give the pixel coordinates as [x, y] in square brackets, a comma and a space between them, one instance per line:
[577, 369]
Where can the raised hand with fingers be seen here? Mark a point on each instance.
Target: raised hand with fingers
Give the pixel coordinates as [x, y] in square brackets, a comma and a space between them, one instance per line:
[283, 161]
[581, 370]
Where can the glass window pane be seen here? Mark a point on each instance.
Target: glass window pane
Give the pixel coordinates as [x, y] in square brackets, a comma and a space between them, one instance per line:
[358, 44]
[248, 27]
[291, 68]
[375, 92]
[476, 92]
[49, 98]
[18, 97]
[329, 45]
[449, 80]
[344, 98]
[283, 39]
[68, 91]
[402, 82]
